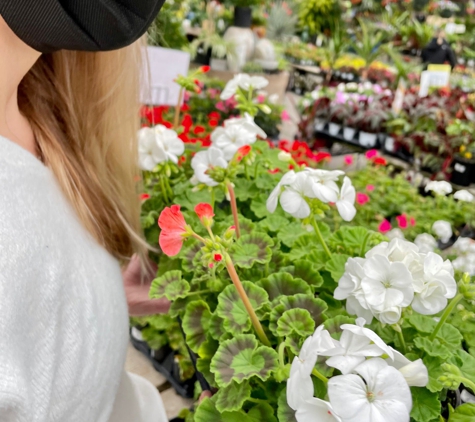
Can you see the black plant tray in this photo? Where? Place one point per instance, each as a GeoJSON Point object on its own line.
{"type": "Point", "coordinates": [168, 368]}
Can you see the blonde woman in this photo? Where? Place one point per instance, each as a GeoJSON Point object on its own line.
{"type": "Point", "coordinates": [69, 211]}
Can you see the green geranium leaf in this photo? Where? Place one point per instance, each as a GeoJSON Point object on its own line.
{"type": "Point", "coordinates": [432, 348]}
{"type": "Point", "coordinates": [283, 284]}
{"type": "Point", "coordinates": [206, 411]}
{"type": "Point", "coordinates": [233, 396]}
{"type": "Point", "coordinates": [178, 307]}
{"type": "Point", "coordinates": [259, 207]}
{"type": "Point", "coordinates": [247, 226]}
{"type": "Point", "coordinates": [189, 255]}
{"type": "Point", "coordinates": [274, 223]}
{"type": "Point", "coordinates": [267, 181]}
{"type": "Point", "coordinates": [302, 246]}
{"type": "Point", "coordinates": [466, 364]}
{"type": "Point", "coordinates": [316, 308]}
{"type": "Point", "coordinates": [333, 325]}
{"type": "Point", "coordinates": [349, 240]}
{"type": "Point", "coordinates": [232, 310]}
{"type": "Point", "coordinates": [170, 285]}
{"type": "Point", "coordinates": [246, 189]}
{"type": "Point", "coordinates": [203, 365]}
{"type": "Point", "coordinates": [262, 412]}
{"type": "Point", "coordinates": [336, 266]}
{"type": "Point", "coordinates": [448, 335]}
{"type": "Point", "coordinates": [290, 233]}
{"type": "Point", "coordinates": [308, 272]}
{"type": "Point", "coordinates": [295, 321]}
{"type": "Point", "coordinates": [434, 367]}
{"type": "Point", "coordinates": [216, 328]}
{"type": "Point", "coordinates": [464, 413]}
{"type": "Point", "coordinates": [241, 358]}
{"type": "Point", "coordinates": [284, 412]}
{"type": "Point", "coordinates": [196, 323]}
{"type": "Point", "coordinates": [318, 257]}
{"type": "Point", "coordinates": [251, 249]}
{"type": "Point", "coordinates": [422, 323]}
{"type": "Point", "coordinates": [425, 405]}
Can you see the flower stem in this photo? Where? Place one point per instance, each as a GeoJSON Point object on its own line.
{"type": "Point", "coordinates": [245, 300]}
{"type": "Point", "coordinates": [176, 120]}
{"type": "Point", "coordinates": [320, 237]}
{"type": "Point", "coordinates": [232, 197]}
{"type": "Point", "coordinates": [199, 292]}
{"type": "Point", "coordinates": [213, 198]}
{"type": "Point", "coordinates": [453, 303]}
{"type": "Point", "coordinates": [164, 190]}
{"type": "Point", "coordinates": [400, 335]}
{"type": "Point", "coordinates": [320, 376]}
{"type": "Point", "coordinates": [246, 172]}
{"type": "Point", "coordinates": [197, 236]}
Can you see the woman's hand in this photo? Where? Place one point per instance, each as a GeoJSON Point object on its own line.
{"type": "Point", "coordinates": [137, 286]}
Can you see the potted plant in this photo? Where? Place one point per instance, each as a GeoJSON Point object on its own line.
{"type": "Point", "coordinates": [219, 48]}
{"type": "Point", "coordinates": [371, 123]}
{"type": "Point", "coordinates": [367, 45]}
{"type": "Point", "coordinates": [463, 166]}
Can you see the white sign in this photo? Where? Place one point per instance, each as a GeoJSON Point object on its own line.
{"type": "Point", "coordinates": [433, 78]}
{"type": "Point", "coordinates": [162, 66]}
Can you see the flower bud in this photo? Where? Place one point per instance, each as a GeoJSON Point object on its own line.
{"type": "Point", "coordinates": [229, 233]}
{"type": "Point", "coordinates": [284, 156]}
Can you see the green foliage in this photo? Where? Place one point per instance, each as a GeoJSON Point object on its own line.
{"type": "Point", "coordinates": [318, 15]}
{"type": "Point", "coordinates": [166, 30]}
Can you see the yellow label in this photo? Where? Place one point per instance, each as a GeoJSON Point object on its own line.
{"type": "Point", "coordinates": [440, 67]}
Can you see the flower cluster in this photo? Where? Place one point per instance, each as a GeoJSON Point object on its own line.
{"type": "Point", "coordinates": [244, 82]}
{"type": "Point", "coordinates": [464, 196]}
{"type": "Point", "coordinates": [302, 154]}
{"type": "Point", "coordinates": [465, 249]}
{"type": "Point", "coordinates": [443, 230]}
{"type": "Point", "coordinates": [157, 145]}
{"type": "Point", "coordinates": [392, 277]}
{"type": "Point", "coordinates": [441, 188]}
{"type": "Point", "coordinates": [296, 190]}
{"type": "Point", "coordinates": [375, 380]}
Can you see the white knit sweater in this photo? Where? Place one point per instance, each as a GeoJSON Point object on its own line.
{"type": "Point", "coordinates": [63, 312]}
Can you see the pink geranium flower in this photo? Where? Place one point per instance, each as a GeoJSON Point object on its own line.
{"type": "Point", "coordinates": [362, 198]}
{"type": "Point", "coordinates": [174, 230]}
{"type": "Point", "coordinates": [372, 153]}
{"type": "Point", "coordinates": [205, 213]}
{"type": "Point", "coordinates": [285, 115]}
{"type": "Point", "coordinates": [370, 188]}
{"type": "Point", "coordinates": [385, 226]}
{"type": "Point", "coordinates": [402, 221]}
{"type": "Point", "coordinates": [349, 160]}
{"type": "Point", "coordinates": [412, 221]}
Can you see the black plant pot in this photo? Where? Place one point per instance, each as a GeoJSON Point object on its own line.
{"type": "Point", "coordinates": [463, 172]}
{"type": "Point", "coordinates": [242, 17]}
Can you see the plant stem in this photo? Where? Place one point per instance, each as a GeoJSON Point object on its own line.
{"type": "Point", "coordinates": [213, 198]}
{"type": "Point", "coordinates": [256, 169]}
{"type": "Point", "coordinates": [164, 190]}
{"type": "Point", "coordinates": [199, 292]}
{"type": "Point", "coordinates": [211, 234]}
{"type": "Point", "coordinates": [365, 243]}
{"type": "Point", "coordinates": [246, 172]}
{"type": "Point", "coordinates": [258, 401]}
{"type": "Point", "coordinates": [401, 338]}
{"type": "Point", "coordinates": [245, 300]}
{"type": "Point", "coordinates": [176, 120]}
{"type": "Point", "coordinates": [282, 354]}
{"type": "Point", "coordinates": [320, 237]}
{"type": "Point", "coordinates": [197, 236]}
{"type": "Point", "coordinates": [320, 376]}
{"type": "Point", "coordinates": [453, 303]}
{"type": "Point", "coordinates": [232, 198]}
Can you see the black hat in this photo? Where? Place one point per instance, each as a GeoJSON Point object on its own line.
{"type": "Point", "coordinates": [88, 25]}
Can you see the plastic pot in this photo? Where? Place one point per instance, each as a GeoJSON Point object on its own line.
{"type": "Point", "coordinates": [368, 140]}
{"type": "Point", "coordinates": [349, 133]}
{"type": "Point", "coordinates": [320, 125]}
{"type": "Point", "coordinates": [242, 17]}
{"type": "Point", "coordinates": [463, 171]}
{"type": "Point", "coordinates": [334, 129]}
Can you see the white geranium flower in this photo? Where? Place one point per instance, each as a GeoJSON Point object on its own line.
{"type": "Point", "coordinates": [284, 156]}
{"type": "Point", "coordinates": [387, 284]}
{"type": "Point", "coordinates": [426, 243]}
{"type": "Point", "coordinates": [170, 142]}
{"type": "Point", "coordinates": [273, 199]}
{"type": "Point", "coordinates": [438, 286]}
{"type": "Point", "coordinates": [464, 195]}
{"type": "Point", "coordinates": [464, 245]}
{"type": "Point", "coordinates": [398, 250]}
{"type": "Point", "coordinates": [151, 151]}
{"type": "Point", "coordinates": [245, 82]}
{"type": "Point", "coordinates": [356, 305]}
{"type": "Point", "coordinates": [231, 137]}
{"type": "Point", "coordinates": [346, 200]}
{"type": "Point", "coordinates": [299, 384]}
{"type": "Point", "coordinates": [350, 282]}
{"type": "Point", "coordinates": [356, 344]}
{"type": "Point", "coordinates": [207, 160]}
{"type": "Point", "coordinates": [324, 186]}
{"type": "Point", "coordinates": [439, 187]}
{"type": "Point", "coordinates": [383, 396]}
{"type": "Point", "coordinates": [415, 373]}
{"type": "Point", "coordinates": [443, 230]}
{"type": "Point", "coordinates": [316, 410]}
{"type": "Point", "coordinates": [293, 198]}
{"type": "Point", "coordinates": [248, 123]}
{"type": "Point", "coordinates": [396, 233]}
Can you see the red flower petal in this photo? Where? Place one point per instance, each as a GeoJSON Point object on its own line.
{"type": "Point", "coordinates": [218, 257]}
{"type": "Point", "coordinates": [144, 196]}
{"type": "Point", "coordinates": [213, 122]}
{"type": "Point", "coordinates": [204, 210]}
{"type": "Point", "coordinates": [205, 69]}
{"type": "Point", "coordinates": [380, 161]}
{"type": "Point", "coordinates": [242, 152]}
{"type": "Point", "coordinates": [198, 129]}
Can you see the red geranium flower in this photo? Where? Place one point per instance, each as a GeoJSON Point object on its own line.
{"type": "Point", "coordinates": [198, 129]}
{"type": "Point", "coordinates": [218, 257]}
{"type": "Point", "coordinates": [273, 171]}
{"type": "Point", "coordinates": [205, 213]}
{"type": "Point", "coordinates": [214, 115]}
{"type": "Point", "coordinates": [185, 107]}
{"type": "Point", "coordinates": [144, 196]}
{"type": "Point", "coordinates": [242, 152]}
{"type": "Point", "coordinates": [380, 161]}
{"type": "Point", "coordinates": [174, 230]}
{"type": "Point", "coordinates": [213, 122]}
{"type": "Point", "coordinates": [204, 69]}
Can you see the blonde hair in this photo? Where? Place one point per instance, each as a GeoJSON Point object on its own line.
{"type": "Point", "coordinates": [84, 110]}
